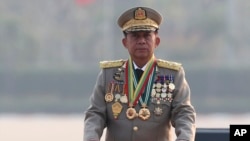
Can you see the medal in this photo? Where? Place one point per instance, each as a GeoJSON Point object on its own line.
{"type": "Point", "coordinates": [116, 109]}
{"type": "Point", "coordinates": [164, 85]}
{"type": "Point", "coordinates": [158, 111]}
{"type": "Point", "coordinates": [164, 90]}
{"type": "Point", "coordinates": [163, 95]}
{"type": "Point", "coordinates": [153, 93]}
{"type": "Point", "coordinates": [158, 101]}
{"type": "Point", "coordinates": [157, 95]}
{"type": "Point", "coordinates": [117, 97]}
{"type": "Point", "coordinates": [171, 86]}
{"type": "Point", "coordinates": [131, 113]}
{"type": "Point", "coordinates": [124, 99]}
{"type": "Point", "coordinates": [109, 96]}
{"type": "Point", "coordinates": [144, 113]}
{"type": "Point", "coordinates": [169, 97]}
{"type": "Point", "coordinates": [158, 85]}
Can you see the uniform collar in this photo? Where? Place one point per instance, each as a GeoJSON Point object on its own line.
{"type": "Point", "coordinates": [136, 67]}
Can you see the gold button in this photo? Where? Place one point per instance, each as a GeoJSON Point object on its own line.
{"type": "Point", "coordinates": [135, 128]}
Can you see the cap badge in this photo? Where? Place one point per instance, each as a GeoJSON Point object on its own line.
{"type": "Point", "coordinates": [140, 14]}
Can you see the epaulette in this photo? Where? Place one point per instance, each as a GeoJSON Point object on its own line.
{"type": "Point", "coordinates": [111, 64]}
{"type": "Point", "coordinates": [168, 64]}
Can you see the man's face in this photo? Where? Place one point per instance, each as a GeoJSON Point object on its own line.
{"type": "Point", "coordinates": [141, 44]}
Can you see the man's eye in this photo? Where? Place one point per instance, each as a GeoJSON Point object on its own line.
{"type": "Point", "coordinates": [147, 35]}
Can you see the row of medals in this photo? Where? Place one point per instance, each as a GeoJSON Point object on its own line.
{"type": "Point", "coordinates": [161, 92]}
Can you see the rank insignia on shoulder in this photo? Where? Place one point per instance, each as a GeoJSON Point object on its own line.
{"type": "Point", "coordinates": [111, 64]}
{"type": "Point", "coordinates": [168, 64]}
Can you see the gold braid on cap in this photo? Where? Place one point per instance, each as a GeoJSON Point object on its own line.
{"type": "Point", "coordinates": [140, 23]}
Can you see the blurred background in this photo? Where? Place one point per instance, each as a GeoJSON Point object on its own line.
{"type": "Point", "coordinates": [50, 52]}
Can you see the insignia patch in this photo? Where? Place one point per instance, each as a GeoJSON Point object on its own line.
{"type": "Point", "coordinates": [119, 75]}
{"type": "Point", "coordinates": [140, 14]}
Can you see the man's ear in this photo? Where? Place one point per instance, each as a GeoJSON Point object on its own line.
{"type": "Point", "coordinates": [157, 41]}
{"type": "Point", "coordinates": [124, 42]}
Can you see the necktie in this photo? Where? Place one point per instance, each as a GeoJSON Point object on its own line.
{"type": "Point", "coordinates": [139, 73]}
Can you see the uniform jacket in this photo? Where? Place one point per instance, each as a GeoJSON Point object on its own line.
{"type": "Point", "coordinates": [176, 111]}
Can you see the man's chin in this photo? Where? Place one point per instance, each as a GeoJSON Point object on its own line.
{"type": "Point", "coordinates": [142, 57]}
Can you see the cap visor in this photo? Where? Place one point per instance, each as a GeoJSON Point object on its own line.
{"type": "Point", "coordinates": [140, 28]}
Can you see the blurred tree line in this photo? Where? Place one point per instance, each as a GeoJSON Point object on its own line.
{"type": "Point", "coordinates": [49, 50]}
{"type": "Point", "coordinates": [52, 34]}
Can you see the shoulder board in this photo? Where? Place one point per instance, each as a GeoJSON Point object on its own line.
{"type": "Point", "coordinates": [168, 64]}
{"type": "Point", "coordinates": [111, 64]}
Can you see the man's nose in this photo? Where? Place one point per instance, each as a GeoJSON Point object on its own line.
{"type": "Point", "coordinates": [141, 40]}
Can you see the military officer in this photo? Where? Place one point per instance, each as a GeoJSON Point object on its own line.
{"type": "Point", "coordinates": [142, 97]}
